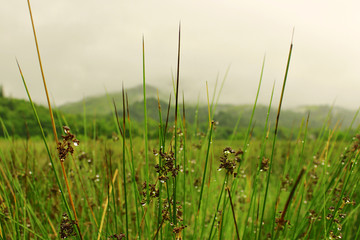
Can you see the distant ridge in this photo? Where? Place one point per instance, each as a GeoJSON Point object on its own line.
{"type": "Point", "coordinates": [14, 113]}
{"type": "Point", "coordinates": [102, 104]}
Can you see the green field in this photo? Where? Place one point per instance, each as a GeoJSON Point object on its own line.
{"type": "Point", "coordinates": [320, 204]}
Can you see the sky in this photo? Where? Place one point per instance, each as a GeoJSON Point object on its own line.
{"type": "Point", "coordinates": [92, 47]}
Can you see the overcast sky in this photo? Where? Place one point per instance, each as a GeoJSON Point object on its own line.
{"type": "Point", "coordinates": [89, 46]}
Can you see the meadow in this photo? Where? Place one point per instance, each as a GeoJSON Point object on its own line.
{"type": "Point", "coordinates": [184, 183]}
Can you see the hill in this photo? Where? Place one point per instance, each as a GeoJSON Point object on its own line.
{"type": "Point", "coordinates": [227, 115]}
{"type": "Point", "coordinates": [102, 104]}
{"type": "Point", "coordinates": [16, 116]}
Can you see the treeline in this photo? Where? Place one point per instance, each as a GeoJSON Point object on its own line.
{"type": "Point", "coordinates": [18, 121]}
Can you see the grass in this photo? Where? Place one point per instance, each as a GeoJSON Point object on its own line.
{"type": "Point", "coordinates": [192, 186]}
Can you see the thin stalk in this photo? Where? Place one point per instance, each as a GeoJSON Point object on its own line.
{"type": "Point", "coordinates": [282, 221]}
{"type": "Point", "coordinates": [42, 73]}
{"type": "Point", "coordinates": [205, 167]}
{"type": "Point", "coordinates": [45, 142]}
{"type": "Point", "coordinates": [262, 152]}
{"type": "Point", "coordinates": [124, 172]}
{"type": "Point", "coordinates": [204, 175]}
{"type": "Point", "coordinates": [145, 127]}
{"type": "Point", "coordinates": [176, 116]}
{"type": "Point", "coordinates": [161, 147]}
{"type": "Point", "coordinates": [274, 140]}
{"type": "Point", "coordinates": [184, 165]}
{"type": "Point", "coordinates": [254, 107]}
{"type": "Point", "coordinates": [212, 150]}
{"type": "Point", "coordinates": [132, 163]}
{"type": "Point", "coordinates": [123, 159]}
{"type": "Point", "coordinates": [247, 137]}
{"type": "Point", "coordinates": [233, 211]}
{"type": "Point", "coordinates": [52, 119]}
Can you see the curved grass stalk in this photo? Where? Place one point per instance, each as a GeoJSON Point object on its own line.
{"type": "Point", "coordinates": [45, 142]}
{"type": "Point", "coordinates": [52, 120]}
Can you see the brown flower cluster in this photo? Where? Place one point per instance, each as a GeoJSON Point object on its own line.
{"type": "Point", "coordinates": [338, 217]}
{"type": "Point", "coordinates": [166, 215]}
{"type": "Point", "coordinates": [350, 152]}
{"type": "Point", "coordinates": [313, 216]}
{"type": "Point", "coordinates": [153, 192]}
{"type": "Point", "coordinates": [281, 223]}
{"type": "Point", "coordinates": [168, 166]}
{"type": "Point", "coordinates": [66, 146]}
{"type": "Point", "coordinates": [67, 227]}
{"type": "Point", "coordinates": [264, 164]}
{"type": "Point", "coordinates": [229, 160]}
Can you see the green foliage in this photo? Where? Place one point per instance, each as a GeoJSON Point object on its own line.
{"type": "Point", "coordinates": [19, 121]}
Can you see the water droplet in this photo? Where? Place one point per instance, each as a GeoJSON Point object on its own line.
{"type": "Point", "coordinates": [219, 169]}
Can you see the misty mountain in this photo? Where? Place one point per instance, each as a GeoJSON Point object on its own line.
{"type": "Point", "coordinates": [226, 115]}
{"type": "Point", "coordinates": [103, 104]}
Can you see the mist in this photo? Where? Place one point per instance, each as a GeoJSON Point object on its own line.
{"type": "Point", "coordinates": [92, 47]}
